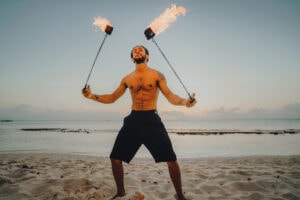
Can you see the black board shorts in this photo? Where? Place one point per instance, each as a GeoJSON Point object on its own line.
{"type": "Point", "coordinates": [143, 127]}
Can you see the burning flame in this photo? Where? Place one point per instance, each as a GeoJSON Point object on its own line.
{"type": "Point", "coordinates": [162, 22]}
{"type": "Point", "coordinates": [101, 23]}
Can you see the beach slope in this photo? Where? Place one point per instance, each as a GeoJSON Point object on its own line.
{"type": "Point", "coordinates": [66, 176]}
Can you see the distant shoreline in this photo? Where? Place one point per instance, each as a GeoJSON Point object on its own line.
{"type": "Point", "coordinates": [6, 120]}
{"type": "Point", "coordinates": [179, 132]}
{"type": "Point", "coordinates": [223, 132]}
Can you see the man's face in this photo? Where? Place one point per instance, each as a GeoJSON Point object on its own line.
{"type": "Point", "coordinates": [139, 55]}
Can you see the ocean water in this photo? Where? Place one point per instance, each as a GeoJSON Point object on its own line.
{"type": "Point", "coordinates": [97, 137]}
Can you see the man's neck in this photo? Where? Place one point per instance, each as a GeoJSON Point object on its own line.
{"type": "Point", "coordinates": [141, 67]}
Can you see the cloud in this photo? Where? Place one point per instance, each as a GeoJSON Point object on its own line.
{"type": "Point", "coordinates": [28, 112]}
{"type": "Point", "coordinates": [222, 113]}
{"type": "Point", "coordinates": [291, 111]}
{"type": "Point", "coordinates": [173, 115]}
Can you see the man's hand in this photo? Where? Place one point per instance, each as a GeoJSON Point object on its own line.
{"type": "Point", "coordinates": [191, 101]}
{"type": "Point", "coordinates": [87, 92]}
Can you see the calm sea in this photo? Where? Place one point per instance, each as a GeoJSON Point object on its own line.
{"type": "Point", "coordinates": [97, 137]}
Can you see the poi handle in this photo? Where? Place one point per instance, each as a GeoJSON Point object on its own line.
{"type": "Point", "coordinates": [108, 31]}
{"type": "Point", "coordinates": [192, 99]}
{"type": "Point", "coordinates": [84, 88]}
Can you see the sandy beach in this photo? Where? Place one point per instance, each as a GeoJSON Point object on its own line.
{"type": "Point", "coordinates": [66, 176]}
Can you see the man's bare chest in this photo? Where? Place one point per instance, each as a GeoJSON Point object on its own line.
{"type": "Point", "coordinates": [138, 83]}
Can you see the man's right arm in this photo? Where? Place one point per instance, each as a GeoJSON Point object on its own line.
{"type": "Point", "coordinates": [106, 98]}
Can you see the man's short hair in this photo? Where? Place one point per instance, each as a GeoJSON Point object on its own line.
{"type": "Point", "coordinates": [146, 50]}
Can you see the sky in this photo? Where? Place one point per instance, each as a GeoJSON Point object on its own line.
{"type": "Point", "coordinates": [240, 57]}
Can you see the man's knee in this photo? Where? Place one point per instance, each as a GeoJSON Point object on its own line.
{"type": "Point", "coordinates": [172, 163]}
{"type": "Point", "coordinates": [115, 161]}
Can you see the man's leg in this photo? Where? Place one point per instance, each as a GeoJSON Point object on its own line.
{"type": "Point", "coordinates": [175, 175]}
{"type": "Point", "coordinates": [118, 173]}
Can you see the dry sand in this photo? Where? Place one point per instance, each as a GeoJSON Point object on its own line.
{"type": "Point", "coordinates": [68, 177]}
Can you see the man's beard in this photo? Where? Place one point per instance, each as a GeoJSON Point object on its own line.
{"type": "Point", "coordinates": [140, 60]}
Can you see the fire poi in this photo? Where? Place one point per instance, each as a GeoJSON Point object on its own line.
{"type": "Point", "coordinates": [158, 25]}
{"type": "Point", "coordinates": [105, 26]}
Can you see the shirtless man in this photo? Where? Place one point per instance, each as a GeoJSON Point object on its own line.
{"type": "Point", "coordinates": [143, 125]}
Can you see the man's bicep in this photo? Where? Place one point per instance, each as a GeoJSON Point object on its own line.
{"type": "Point", "coordinates": [173, 98]}
{"type": "Point", "coordinates": [162, 84]}
{"type": "Point", "coordinates": [120, 90]}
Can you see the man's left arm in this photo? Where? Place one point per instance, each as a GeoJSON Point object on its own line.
{"type": "Point", "coordinates": [173, 98]}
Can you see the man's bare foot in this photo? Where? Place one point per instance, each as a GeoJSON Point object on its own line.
{"type": "Point", "coordinates": [118, 195]}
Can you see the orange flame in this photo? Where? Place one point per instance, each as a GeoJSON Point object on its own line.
{"type": "Point", "coordinates": [162, 22]}
{"type": "Point", "coordinates": [101, 23]}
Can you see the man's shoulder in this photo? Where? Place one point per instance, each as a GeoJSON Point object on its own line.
{"type": "Point", "coordinates": [158, 73]}
{"type": "Point", "coordinates": [126, 77]}
{"type": "Point", "coordinates": [154, 71]}
{"type": "Point", "coordinates": [129, 74]}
